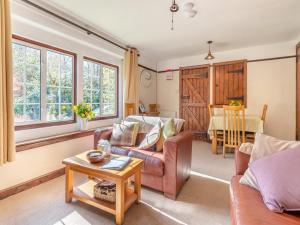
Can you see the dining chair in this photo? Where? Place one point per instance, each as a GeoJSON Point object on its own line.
{"type": "Point", "coordinates": [130, 109]}
{"type": "Point", "coordinates": [234, 127]}
{"type": "Point", "coordinates": [218, 134]}
{"type": "Point", "coordinates": [250, 137]}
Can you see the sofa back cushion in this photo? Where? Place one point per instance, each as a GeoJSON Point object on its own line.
{"type": "Point", "coordinates": [148, 122]}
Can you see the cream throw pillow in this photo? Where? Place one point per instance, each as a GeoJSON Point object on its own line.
{"type": "Point", "coordinates": [263, 146]}
{"type": "Point", "coordinates": [246, 148]}
{"type": "Point", "coordinates": [152, 137]}
{"type": "Point", "coordinates": [124, 133]}
{"type": "Point", "coordinates": [169, 128]}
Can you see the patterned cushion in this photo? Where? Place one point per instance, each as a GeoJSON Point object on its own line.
{"type": "Point", "coordinates": [152, 137]}
{"type": "Point", "coordinates": [148, 122]}
{"type": "Point", "coordinates": [124, 133]}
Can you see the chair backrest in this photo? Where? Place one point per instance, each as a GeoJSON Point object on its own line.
{"type": "Point", "coordinates": [152, 108]}
{"type": "Point", "coordinates": [234, 126]}
{"type": "Point", "coordinates": [130, 109]}
{"type": "Point", "coordinates": [264, 112]}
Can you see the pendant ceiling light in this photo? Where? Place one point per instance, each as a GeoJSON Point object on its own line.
{"type": "Point", "coordinates": [174, 8]}
{"type": "Point", "coordinates": [209, 55]}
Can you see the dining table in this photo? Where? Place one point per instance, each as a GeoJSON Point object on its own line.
{"type": "Point", "coordinates": [253, 124]}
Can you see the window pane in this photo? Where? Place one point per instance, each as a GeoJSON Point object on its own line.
{"type": "Point", "coordinates": [33, 75]}
{"type": "Point", "coordinates": [59, 86]}
{"type": "Point", "coordinates": [19, 93]}
{"type": "Point", "coordinates": [108, 109]}
{"type": "Point", "coordinates": [66, 95]}
{"type": "Point", "coordinates": [52, 95]}
{"type": "Point", "coordinates": [52, 112]}
{"type": "Point", "coordinates": [96, 83]}
{"type": "Point", "coordinates": [19, 112]}
{"type": "Point", "coordinates": [87, 96]}
{"type": "Point", "coordinates": [95, 96]}
{"type": "Point", "coordinates": [66, 112]}
{"type": "Point", "coordinates": [26, 83]}
{"type": "Point", "coordinates": [96, 109]}
{"type": "Point", "coordinates": [32, 112]}
{"type": "Point", "coordinates": [109, 91]}
{"type": "Point", "coordinates": [32, 94]}
{"type": "Point", "coordinates": [53, 68]}
{"type": "Point", "coordinates": [86, 75]}
{"type": "Point", "coordinates": [66, 71]}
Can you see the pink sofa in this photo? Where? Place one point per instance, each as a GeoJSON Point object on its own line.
{"type": "Point", "coordinates": [164, 171]}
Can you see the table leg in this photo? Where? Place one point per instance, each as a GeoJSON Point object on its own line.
{"type": "Point", "coordinates": [214, 143]}
{"type": "Point", "coordinates": [137, 185]}
{"type": "Point", "coordinates": [69, 184]}
{"type": "Point", "coordinates": [120, 202]}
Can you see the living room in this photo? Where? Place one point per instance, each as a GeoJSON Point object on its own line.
{"type": "Point", "coordinates": [170, 67]}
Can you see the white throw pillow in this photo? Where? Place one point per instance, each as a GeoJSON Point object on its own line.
{"type": "Point", "coordinates": [246, 148]}
{"type": "Point", "coordinates": [152, 137]}
{"type": "Point", "coordinates": [263, 146]}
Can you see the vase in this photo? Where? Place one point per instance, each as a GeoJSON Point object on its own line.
{"type": "Point", "coordinates": [83, 124]}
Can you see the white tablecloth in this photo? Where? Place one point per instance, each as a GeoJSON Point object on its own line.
{"type": "Point", "coordinates": [253, 124]}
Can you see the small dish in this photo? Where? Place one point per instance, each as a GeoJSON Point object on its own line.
{"type": "Point", "coordinates": [95, 156]}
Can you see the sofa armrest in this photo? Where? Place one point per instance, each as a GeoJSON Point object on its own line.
{"type": "Point", "coordinates": [177, 152]}
{"type": "Point", "coordinates": [102, 133]}
{"type": "Point", "coordinates": [241, 162]}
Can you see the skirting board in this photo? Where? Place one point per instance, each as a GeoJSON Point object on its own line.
{"type": "Point", "coordinates": [31, 183]}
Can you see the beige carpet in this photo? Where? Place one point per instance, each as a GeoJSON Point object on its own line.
{"type": "Point", "coordinates": [203, 200]}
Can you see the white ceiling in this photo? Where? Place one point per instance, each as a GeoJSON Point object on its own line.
{"type": "Point", "coordinates": [231, 24]}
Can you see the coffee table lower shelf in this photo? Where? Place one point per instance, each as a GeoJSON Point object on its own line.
{"type": "Point", "coordinates": [85, 193]}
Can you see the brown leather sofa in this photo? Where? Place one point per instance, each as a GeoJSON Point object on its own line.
{"type": "Point", "coordinates": [164, 171]}
{"type": "Point", "coordinates": [247, 206]}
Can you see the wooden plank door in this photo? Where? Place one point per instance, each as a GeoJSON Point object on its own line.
{"type": "Point", "coordinates": [194, 98]}
{"type": "Point", "coordinates": [229, 82]}
{"type": "Point", "coordinates": [298, 92]}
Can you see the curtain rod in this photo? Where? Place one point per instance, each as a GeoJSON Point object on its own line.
{"type": "Point", "coordinates": [89, 32]}
{"type": "Point", "coordinates": [248, 61]}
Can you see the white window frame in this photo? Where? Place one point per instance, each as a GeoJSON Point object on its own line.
{"type": "Point", "coordinates": [44, 48]}
{"type": "Point", "coordinates": [110, 66]}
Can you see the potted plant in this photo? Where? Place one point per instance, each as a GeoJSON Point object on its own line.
{"type": "Point", "coordinates": [85, 112]}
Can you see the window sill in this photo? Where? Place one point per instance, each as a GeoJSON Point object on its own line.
{"type": "Point", "coordinates": [41, 125]}
{"type": "Point", "coordinates": [36, 143]}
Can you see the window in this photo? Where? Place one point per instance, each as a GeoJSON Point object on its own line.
{"type": "Point", "coordinates": [100, 87]}
{"type": "Point", "coordinates": [43, 79]}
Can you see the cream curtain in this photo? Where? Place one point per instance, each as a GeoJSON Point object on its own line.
{"type": "Point", "coordinates": [7, 138]}
{"type": "Point", "coordinates": [131, 80]}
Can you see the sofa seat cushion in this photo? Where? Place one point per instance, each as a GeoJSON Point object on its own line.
{"type": "Point", "coordinates": [248, 207]}
{"type": "Point", "coordinates": [119, 150]}
{"type": "Point", "coordinates": [153, 161]}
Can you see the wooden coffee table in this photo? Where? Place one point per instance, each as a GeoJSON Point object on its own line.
{"type": "Point", "coordinates": [125, 196]}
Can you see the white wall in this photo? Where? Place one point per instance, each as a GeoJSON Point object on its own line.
{"type": "Point", "coordinates": [39, 161]}
{"type": "Point", "coordinates": [268, 82]}
{"type": "Point", "coordinates": [148, 94]}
